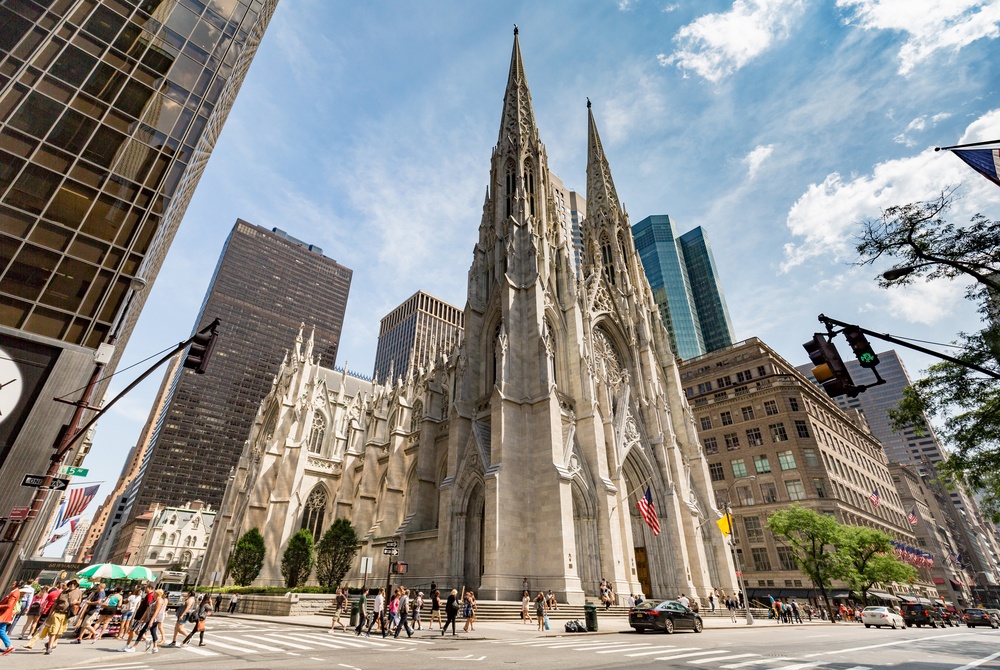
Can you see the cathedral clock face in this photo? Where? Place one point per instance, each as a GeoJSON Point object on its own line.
{"type": "Point", "coordinates": [11, 385]}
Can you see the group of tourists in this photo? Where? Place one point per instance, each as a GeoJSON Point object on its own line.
{"type": "Point", "coordinates": [130, 615]}
{"type": "Point", "coordinates": [404, 608]}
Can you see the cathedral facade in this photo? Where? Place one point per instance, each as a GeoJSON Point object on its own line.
{"type": "Point", "coordinates": [522, 451]}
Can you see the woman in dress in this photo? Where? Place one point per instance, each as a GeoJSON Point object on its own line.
{"type": "Point", "coordinates": [540, 609]}
{"type": "Point", "coordinates": [470, 611]}
{"type": "Point", "coordinates": [109, 608]}
{"type": "Point", "coordinates": [204, 611]}
{"type": "Point", "coordinates": [435, 608]}
{"type": "Point", "coordinates": [526, 608]}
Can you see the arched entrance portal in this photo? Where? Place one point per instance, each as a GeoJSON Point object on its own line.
{"type": "Point", "coordinates": [588, 557]}
{"type": "Point", "coordinates": [645, 549]}
{"type": "Point", "coordinates": [474, 532]}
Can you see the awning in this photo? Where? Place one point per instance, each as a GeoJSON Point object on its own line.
{"type": "Point", "coordinates": [841, 594]}
{"type": "Point", "coordinates": [884, 596]}
{"type": "Point", "coordinates": [905, 598]}
{"type": "Point", "coordinates": [924, 601]}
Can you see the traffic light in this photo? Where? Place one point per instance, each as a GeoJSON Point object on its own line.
{"type": "Point", "coordinates": [201, 347]}
{"type": "Point", "coordinates": [829, 369]}
{"type": "Point", "coordinates": [862, 349]}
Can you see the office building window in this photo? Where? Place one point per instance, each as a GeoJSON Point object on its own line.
{"type": "Point", "coordinates": [793, 404]}
{"type": "Point", "coordinates": [739, 468]}
{"type": "Point", "coordinates": [761, 464]}
{"type": "Point", "coordinates": [732, 441]}
{"type": "Point", "coordinates": [778, 433]}
{"type": "Point", "coordinates": [809, 454]}
{"type": "Point", "coordinates": [786, 558]}
{"type": "Point", "coordinates": [744, 494]}
{"type": "Point", "coordinates": [768, 492]}
{"type": "Point", "coordinates": [820, 486]}
{"type": "Point", "coordinates": [716, 471]}
{"type": "Point", "coordinates": [706, 423]}
{"type": "Point", "coordinates": [801, 428]}
{"type": "Point", "coordinates": [754, 438]}
{"type": "Point", "coordinates": [711, 445]}
{"type": "Point", "coordinates": [795, 490]}
{"type": "Point", "coordinates": [747, 413]}
{"type": "Point", "coordinates": [761, 561]}
{"type": "Point", "coordinates": [770, 407]}
{"type": "Point", "coordinates": [786, 459]}
{"type": "Point", "coordinates": [755, 531]}
{"type": "Point", "coordinates": [726, 418]}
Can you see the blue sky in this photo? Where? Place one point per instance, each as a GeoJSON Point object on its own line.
{"type": "Point", "coordinates": [777, 125]}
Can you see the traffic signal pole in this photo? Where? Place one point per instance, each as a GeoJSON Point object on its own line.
{"type": "Point", "coordinates": [830, 323]}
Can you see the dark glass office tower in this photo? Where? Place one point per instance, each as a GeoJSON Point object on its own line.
{"type": "Point", "coordinates": [109, 111]}
{"type": "Point", "coordinates": [682, 274]}
{"type": "Point", "coordinates": [410, 334]}
{"type": "Point", "coordinates": [267, 284]}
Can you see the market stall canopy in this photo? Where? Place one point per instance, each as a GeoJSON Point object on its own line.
{"type": "Point", "coordinates": [141, 572]}
{"type": "Point", "coordinates": [104, 571]}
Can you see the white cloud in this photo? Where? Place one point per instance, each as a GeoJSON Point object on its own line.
{"type": "Point", "coordinates": [756, 158]}
{"type": "Point", "coordinates": [826, 217]}
{"type": "Point", "coordinates": [983, 129]}
{"type": "Point", "coordinates": [917, 125]}
{"type": "Point", "coordinates": [673, 7]}
{"type": "Point", "coordinates": [715, 46]}
{"type": "Point", "coordinates": [625, 5]}
{"type": "Point", "coordinates": [930, 25]}
{"type": "Point", "coordinates": [927, 303]}
{"type": "Point", "coordinates": [636, 103]}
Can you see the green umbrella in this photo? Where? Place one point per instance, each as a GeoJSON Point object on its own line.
{"type": "Point", "coordinates": [140, 572]}
{"type": "Point", "coordinates": [103, 571]}
{"type": "Point", "coordinates": [85, 583]}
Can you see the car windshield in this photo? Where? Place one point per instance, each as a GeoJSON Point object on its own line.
{"type": "Point", "coordinates": [875, 609]}
{"type": "Point", "coordinates": [972, 611]}
{"type": "Point", "coordinates": [646, 605]}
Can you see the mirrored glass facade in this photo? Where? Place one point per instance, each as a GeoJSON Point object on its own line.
{"type": "Point", "coordinates": [108, 111]}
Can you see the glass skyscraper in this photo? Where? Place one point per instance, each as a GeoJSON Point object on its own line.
{"type": "Point", "coordinates": [410, 334]}
{"type": "Point", "coordinates": [686, 286]}
{"type": "Point", "coordinates": [109, 111]}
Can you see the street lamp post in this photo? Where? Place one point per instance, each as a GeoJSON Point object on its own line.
{"type": "Point", "coordinates": [732, 544]}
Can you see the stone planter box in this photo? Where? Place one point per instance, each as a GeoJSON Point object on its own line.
{"type": "Point", "coordinates": [289, 604]}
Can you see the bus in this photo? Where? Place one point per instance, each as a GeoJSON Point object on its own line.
{"type": "Point", "coordinates": [173, 582]}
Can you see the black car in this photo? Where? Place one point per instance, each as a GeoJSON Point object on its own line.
{"type": "Point", "coordinates": [667, 616]}
{"type": "Point", "coordinates": [950, 618]}
{"type": "Point", "coordinates": [978, 617]}
{"type": "Point", "coordinates": [915, 614]}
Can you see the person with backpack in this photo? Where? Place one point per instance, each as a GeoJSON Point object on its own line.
{"type": "Point", "coordinates": [7, 612]}
{"type": "Point", "coordinates": [403, 612]}
{"type": "Point", "coordinates": [185, 612]}
{"type": "Point", "coordinates": [56, 609]}
{"type": "Point", "coordinates": [204, 611]}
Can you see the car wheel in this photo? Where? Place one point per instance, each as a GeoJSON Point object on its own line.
{"type": "Point", "coordinates": [894, 625]}
{"type": "Point", "coordinates": [668, 626]}
{"type": "Point", "coordinates": [868, 625]}
{"type": "Point", "coordinates": [640, 631]}
{"type": "Point", "coordinates": [699, 626]}
{"type": "Point", "coordinates": [970, 625]}
{"type": "Point", "coordinates": [993, 626]}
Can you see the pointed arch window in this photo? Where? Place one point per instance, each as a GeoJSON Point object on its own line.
{"type": "Point", "coordinates": [608, 260]}
{"type": "Point", "coordinates": [317, 433]}
{"type": "Point", "coordinates": [315, 508]}
{"type": "Point", "coordinates": [509, 186]}
{"type": "Point", "coordinates": [529, 182]}
{"type": "Point", "coordinates": [418, 412]}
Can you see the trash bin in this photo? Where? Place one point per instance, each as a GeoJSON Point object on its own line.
{"type": "Point", "coordinates": [590, 615]}
{"type": "Point", "coordinates": [355, 614]}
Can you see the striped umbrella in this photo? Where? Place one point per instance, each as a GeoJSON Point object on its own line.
{"type": "Point", "coordinates": [143, 573]}
{"type": "Point", "coordinates": [103, 571]}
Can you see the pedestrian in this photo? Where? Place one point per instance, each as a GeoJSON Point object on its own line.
{"type": "Point", "coordinates": [32, 615]}
{"type": "Point", "coordinates": [7, 607]}
{"type": "Point", "coordinates": [233, 602]}
{"type": "Point", "coordinates": [27, 592]}
{"type": "Point", "coordinates": [630, 602]}
{"type": "Point", "coordinates": [362, 611]}
{"type": "Point", "coordinates": [109, 608]}
{"type": "Point", "coordinates": [201, 615]}
{"type": "Point", "coordinates": [711, 601]}
{"type": "Point", "coordinates": [188, 607]}
{"type": "Point", "coordinates": [56, 619]}
{"type": "Point", "coordinates": [450, 611]}
{"type": "Point", "coordinates": [378, 614]}
{"type": "Point", "coordinates": [540, 609]}
{"type": "Point", "coordinates": [155, 611]}
{"type": "Point", "coordinates": [552, 602]}
{"type": "Point", "coordinates": [524, 584]}
{"type": "Point", "coordinates": [218, 602]}
{"type": "Point", "coordinates": [795, 612]}
{"type": "Point", "coordinates": [140, 621]}
{"type": "Point", "coordinates": [418, 604]}
{"type": "Point", "coordinates": [93, 604]}
{"type": "Point", "coordinates": [683, 600]}
{"type": "Point", "coordinates": [470, 611]}
{"type": "Point", "coordinates": [393, 616]}
{"type": "Point", "coordinates": [731, 606]}
{"type": "Point", "coordinates": [526, 608]}
{"type": "Point", "coordinates": [742, 604]}
{"type": "Point", "coordinates": [402, 611]}
{"type": "Point", "coordinates": [339, 606]}
{"type": "Point", "coordinates": [128, 607]}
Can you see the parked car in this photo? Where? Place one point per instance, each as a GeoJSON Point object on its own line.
{"type": "Point", "coordinates": [668, 616]}
{"type": "Point", "coordinates": [995, 614]}
{"type": "Point", "coordinates": [976, 616]}
{"type": "Point", "coordinates": [915, 614]}
{"type": "Point", "coordinates": [878, 616]}
{"type": "Point", "coordinates": [950, 618]}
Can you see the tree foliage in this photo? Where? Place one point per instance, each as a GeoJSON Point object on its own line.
{"type": "Point", "coordinates": [869, 560]}
{"type": "Point", "coordinates": [967, 401]}
{"type": "Point", "coordinates": [335, 553]}
{"type": "Point", "coordinates": [813, 539]}
{"type": "Point", "coordinates": [247, 558]}
{"type": "Point", "coordinates": [297, 561]}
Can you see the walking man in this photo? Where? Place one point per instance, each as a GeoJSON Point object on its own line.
{"type": "Point", "coordinates": [451, 611]}
{"type": "Point", "coordinates": [56, 622]}
{"type": "Point", "coordinates": [340, 605]}
{"type": "Point", "coordinates": [363, 611]}
{"type": "Point", "coordinates": [404, 607]}
{"type": "Point", "coordinates": [233, 602]}
{"type": "Point", "coordinates": [378, 614]}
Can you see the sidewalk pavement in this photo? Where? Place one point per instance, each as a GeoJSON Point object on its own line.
{"type": "Point", "coordinates": [491, 630]}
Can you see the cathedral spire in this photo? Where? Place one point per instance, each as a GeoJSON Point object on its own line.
{"type": "Point", "coordinates": [518, 116]}
{"type": "Point", "coordinates": [600, 187]}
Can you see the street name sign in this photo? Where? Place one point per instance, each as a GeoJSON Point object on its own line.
{"type": "Point", "coordinates": [73, 471]}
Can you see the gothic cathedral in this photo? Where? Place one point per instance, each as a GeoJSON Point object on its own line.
{"type": "Point", "coordinates": [521, 453]}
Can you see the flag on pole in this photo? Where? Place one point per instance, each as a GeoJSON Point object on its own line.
{"type": "Point", "coordinates": [724, 526]}
{"type": "Point", "coordinates": [984, 161]}
{"type": "Point", "coordinates": [61, 516]}
{"type": "Point", "coordinates": [912, 516]}
{"type": "Point", "coordinates": [875, 499]}
{"type": "Point", "coordinates": [648, 512]}
{"type": "Point", "coordinates": [55, 537]}
{"type": "Point", "coordinates": [72, 525]}
{"type": "Point", "coordinates": [76, 501]}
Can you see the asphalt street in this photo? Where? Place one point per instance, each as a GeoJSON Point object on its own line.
{"type": "Point", "coordinates": [242, 643]}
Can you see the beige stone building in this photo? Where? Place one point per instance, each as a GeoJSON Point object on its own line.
{"type": "Point", "coordinates": [176, 536]}
{"type": "Point", "coordinates": [772, 439]}
{"type": "Point", "coordinates": [520, 453]}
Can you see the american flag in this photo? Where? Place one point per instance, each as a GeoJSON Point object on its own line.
{"type": "Point", "coordinates": [912, 516]}
{"type": "Point", "coordinates": [648, 512]}
{"type": "Point", "coordinates": [876, 500]}
{"type": "Point", "coordinates": [76, 501]}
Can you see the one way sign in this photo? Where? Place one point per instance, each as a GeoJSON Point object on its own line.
{"type": "Point", "coordinates": [38, 482]}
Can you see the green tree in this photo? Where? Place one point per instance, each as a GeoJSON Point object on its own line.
{"type": "Point", "coordinates": [335, 553]}
{"type": "Point", "coordinates": [297, 561]}
{"type": "Point", "coordinates": [917, 236]}
{"type": "Point", "coordinates": [813, 539]}
{"type": "Point", "coordinates": [869, 560]}
{"type": "Point", "coordinates": [247, 558]}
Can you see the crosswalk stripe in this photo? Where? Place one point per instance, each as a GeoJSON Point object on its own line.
{"type": "Point", "coordinates": [211, 640]}
{"type": "Point", "coordinates": [974, 664]}
{"type": "Point", "coordinates": [283, 642]}
{"type": "Point", "coordinates": [265, 647]}
{"type": "Point", "coordinates": [692, 653]}
{"type": "Point", "coordinates": [725, 658]}
{"type": "Point", "coordinates": [580, 644]}
{"type": "Point", "coordinates": [860, 667]}
{"type": "Point", "coordinates": [755, 662]}
{"type": "Point", "coordinates": [201, 652]}
{"type": "Point", "coordinates": [660, 650]}
{"type": "Point", "coordinates": [637, 645]}
{"type": "Point", "coordinates": [800, 666]}
{"type": "Point", "coordinates": [335, 644]}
